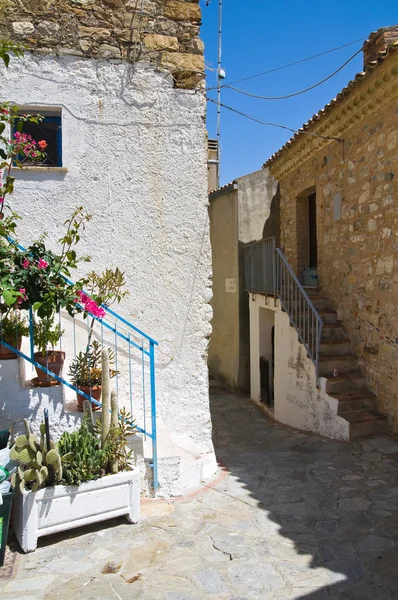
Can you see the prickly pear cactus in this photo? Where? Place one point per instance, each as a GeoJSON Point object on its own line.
{"type": "Point", "coordinates": [34, 460]}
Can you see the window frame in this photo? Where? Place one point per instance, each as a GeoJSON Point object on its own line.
{"type": "Point", "coordinates": [50, 117]}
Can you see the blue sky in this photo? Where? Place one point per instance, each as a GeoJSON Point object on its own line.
{"type": "Point", "coordinates": [259, 35]}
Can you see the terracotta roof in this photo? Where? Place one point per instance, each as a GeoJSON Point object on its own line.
{"type": "Point", "coordinates": [343, 94]}
{"type": "Point", "coordinates": [223, 189]}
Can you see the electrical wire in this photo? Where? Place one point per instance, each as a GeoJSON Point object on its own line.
{"type": "Point", "coordinates": [295, 93]}
{"type": "Point", "coordinates": [292, 64]}
{"type": "Point", "coordinates": [261, 122]}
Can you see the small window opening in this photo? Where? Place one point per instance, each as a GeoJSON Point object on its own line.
{"type": "Point", "coordinates": [49, 130]}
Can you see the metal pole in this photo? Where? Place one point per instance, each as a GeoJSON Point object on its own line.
{"type": "Point", "coordinates": [153, 415]}
{"type": "Point", "coordinates": [219, 90]}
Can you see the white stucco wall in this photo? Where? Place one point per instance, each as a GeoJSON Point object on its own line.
{"type": "Point", "coordinates": [135, 150]}
{"type": "Point", "coordinates": [298, 401]}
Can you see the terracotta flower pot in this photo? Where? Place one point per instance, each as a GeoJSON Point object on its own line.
{"type": "Point", "coordinates": [53, 361]}
{"type": "Point", "coordinates": [94, 392]}
{"type": "Point", "coordinates": [5, 353]}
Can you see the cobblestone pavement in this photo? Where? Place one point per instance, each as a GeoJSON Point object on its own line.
{"type": "Point", "coordinates": [296, 517]}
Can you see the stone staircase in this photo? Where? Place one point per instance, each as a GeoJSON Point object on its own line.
{"type": "Point", "coordinates": [344, 380]}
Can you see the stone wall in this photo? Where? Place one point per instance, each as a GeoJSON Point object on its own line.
{"type": "Point", "coordinates": [164, 33]}
{"type": "Point", "coordinates": [357, 253]}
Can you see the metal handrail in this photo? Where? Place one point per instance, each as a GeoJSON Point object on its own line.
{"type": "Point", "coordinates": [122, 331]}
{"type": "Point", "coordinates": [302, 313]}
{"type": "Point", "coordinates": [267, 271]}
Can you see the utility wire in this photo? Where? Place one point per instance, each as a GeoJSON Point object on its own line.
{"type": "Point", "coordinates": [292, 64]}
{"type": "Point", "coordinates": [261, 122]}
{"type": "Point", "coordinates": [295, 93]}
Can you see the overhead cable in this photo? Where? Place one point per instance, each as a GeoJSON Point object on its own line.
{"type": "Point", "coordinates": [261, 122]}
{"type": "Point", "coordinates": [294, 93]}
{"type": "Point", "coordinates": [292, 64]}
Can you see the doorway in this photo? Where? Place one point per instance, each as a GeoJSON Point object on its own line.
{"type": "Point", "coordinates": [313, 250]}
{"type": "Point", "coordinates": [267, 356]}
{"type": "Point", "coordinates": [306, 232]}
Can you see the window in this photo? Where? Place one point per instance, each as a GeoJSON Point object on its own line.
{"type": "Point", "coordinates": [49, 129]}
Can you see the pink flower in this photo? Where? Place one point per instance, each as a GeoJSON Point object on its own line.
{"type": "Point", "coordinates": [23, 297]}
{"type": "Point", "coordinates": [26, 264]}
{"type": "Point", "coordinates": [90, 306]}
{"type": "Point", "coordinates": [42, 264]}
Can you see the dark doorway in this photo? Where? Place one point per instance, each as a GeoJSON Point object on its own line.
{"type": "Point", "coordinates": [313, 252]}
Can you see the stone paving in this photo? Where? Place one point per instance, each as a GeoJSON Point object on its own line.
{"type": "Point", "coordinates": [294, 517]}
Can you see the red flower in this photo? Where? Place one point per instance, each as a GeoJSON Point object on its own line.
{"type": "Point", "coordinates": [42, 145]}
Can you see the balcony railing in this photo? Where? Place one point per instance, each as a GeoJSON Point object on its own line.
{"type": "Point", "coordinates": [267, 271]}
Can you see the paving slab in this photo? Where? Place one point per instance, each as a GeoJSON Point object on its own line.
{"type": "Point", "coordinates": [293, 517]}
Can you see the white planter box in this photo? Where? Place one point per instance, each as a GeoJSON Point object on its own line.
{"type": "Point", "coordinates": [62, 507]}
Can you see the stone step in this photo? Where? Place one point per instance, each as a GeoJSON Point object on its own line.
{"type": "Point", "coordinates": [319, 302]}
{"type": "Point", "coordinates": [334, 331]}
{"type": "Point", "coordinates": [343, 364]}
{"type": "Point", "coordinates": [328, 316]}
{"type": "Point", "coordinates": [355, 402]}
{"type": "Point", "coordinates": [335, 347]}
{"type": "Point", "coordinates": [309, 321]}
{"type": "Point", "coordinates": [345, 383]}
{"type": "Point", "coordinates": [366, 423]}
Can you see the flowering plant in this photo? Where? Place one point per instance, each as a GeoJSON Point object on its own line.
{"type": "Point", "coordinates": [37, 277]}
{"type": "Point", "coordinates": [17, 149]}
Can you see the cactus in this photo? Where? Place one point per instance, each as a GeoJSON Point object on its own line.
{"type": "Point", "coordinates": [114, 409]}
{"type": "Point", "coordinates": [113, 462]}
{"type": "Point", "coordinates": [105, 395]}
{"type": "Point", "coordinates": [82, 457]}
{"type": "Point", "coordinates": [88, 415]}
{"type": "Point", "coordinates": [100, 448]}
{"type": "Point", "coordinates": [34, 460]}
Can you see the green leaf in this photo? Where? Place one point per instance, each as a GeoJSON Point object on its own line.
{"type": "Point", "coordinates": [10, 297]}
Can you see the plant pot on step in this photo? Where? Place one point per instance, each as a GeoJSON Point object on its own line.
{"type": "Point", "coordinates": [54, 362]}
{"type": "Point", "coordinates": [6, 353]}
{"type": "Point", "coordinates": [94, 391]}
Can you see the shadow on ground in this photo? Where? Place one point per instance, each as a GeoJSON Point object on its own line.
{"type": "Point", "coordinates": [334, 503]}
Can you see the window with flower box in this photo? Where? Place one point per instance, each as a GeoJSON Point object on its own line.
{"type": "Point", "coordinates": [49, 130]}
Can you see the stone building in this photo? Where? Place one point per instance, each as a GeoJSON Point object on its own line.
{"type": "Point", "coordinates": [240, 212]}
{"type": "Point", "coordinates": [338, 182]}
{"type": "Point", "coordinates": [121, 84]}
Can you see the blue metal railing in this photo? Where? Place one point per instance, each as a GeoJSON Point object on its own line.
{"type": "Point", "coordinates": [267, 271]}
{"type": "Point", "coordinates": [134, 353]}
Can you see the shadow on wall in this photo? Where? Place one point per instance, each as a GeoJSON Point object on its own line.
{"type": "Point", "coordinates": [335, 501]}
{"type": "Point", "coordinates": [272, 227]}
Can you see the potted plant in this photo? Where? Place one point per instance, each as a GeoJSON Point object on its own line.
{"type": "Point", "coordinates": [13, 327]}
{"type": "Point", "coordinates": [92, 478]}
{"type": "Point", "coordinates": [86, 373]}
{"type": "Point", "coordinates": [46, 336]}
